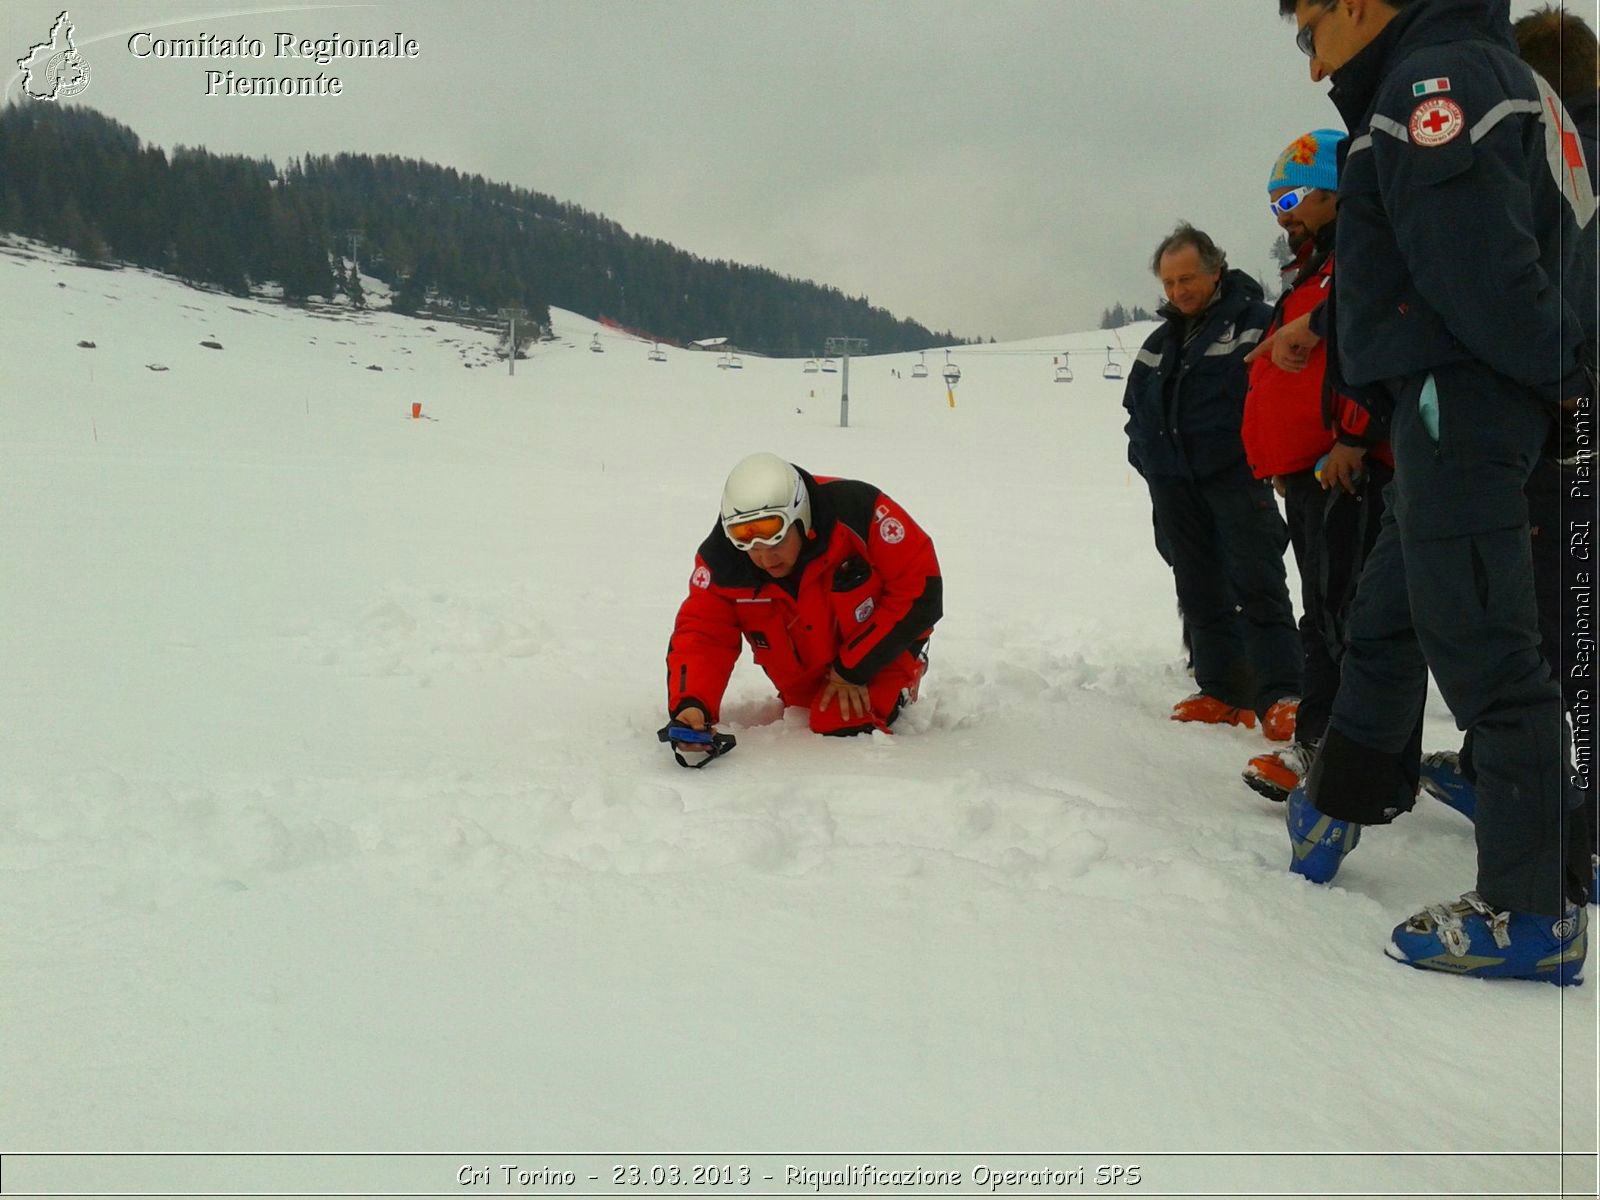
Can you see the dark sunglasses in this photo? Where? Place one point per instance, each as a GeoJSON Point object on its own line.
{"type": "Point", "coordinates": [1304, 38]}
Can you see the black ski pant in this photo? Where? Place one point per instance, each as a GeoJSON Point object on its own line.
{"type": "Point", "coordinates": [1332, 532]}
{"type": "Point", "coordinates": [1227, 539]}
{"type": "Point", "coordinates": [1561, 507]}
{"type": "Point", "coordinates": [1165, 551]}
{"type": "Point", "coordinates": [1449, 587]}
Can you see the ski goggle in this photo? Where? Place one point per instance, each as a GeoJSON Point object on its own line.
{"type": "Point", "coordinates": [1289, 201]}
{"type": "Point", "coordinates": [760, 529]}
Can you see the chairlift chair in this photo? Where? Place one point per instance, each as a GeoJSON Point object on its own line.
{"type": "Point", "coordinates": [920, 370]}
{"type": "Point", "coordinates": [735, 363]}
{"type": "Point", "coordinates": [1113, 370]}
{"type": "Point", "coordinates": [595, 346]}
{"type": "Point", "coordinates": [829, 367]}
{"type": "Point", "coordinates": [1064, 369]}
{"type": "Point", "coordinates": [811, 366]}
{"type": "Point", "coordinates": [658, 354]}
{"type": "Point", "coordinates": [722, 362]}
{"type": "Point", "coordinates": [952, 373]}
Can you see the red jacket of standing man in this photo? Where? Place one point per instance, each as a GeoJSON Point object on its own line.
{"type": "Point", "coordinates": [1289, 421]}
{"type": "Point", "coordinates": [831, 584]}
{"type": "Point", "coordinates": [1283, 428]}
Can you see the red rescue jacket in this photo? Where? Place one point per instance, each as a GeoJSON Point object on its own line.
{"type": "Point", "coordinates": [1283, 428]}
{"type": "Point", "coordinates": [866, 589]}
{"type": "Point", "coordinates": [1290, 419]}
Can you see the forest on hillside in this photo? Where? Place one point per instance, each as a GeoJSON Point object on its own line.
{"type": "Point", "coordinates": [445, 243]}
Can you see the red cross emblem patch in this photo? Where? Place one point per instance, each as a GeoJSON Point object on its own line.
{"type": "Point", "coordinates": [1436, 121]}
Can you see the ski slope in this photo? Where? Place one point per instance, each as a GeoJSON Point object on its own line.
{"type": "Point", "coordinates": [333, 817]}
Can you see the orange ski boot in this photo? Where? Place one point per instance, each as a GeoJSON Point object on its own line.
{"type": "Point", "coordinates": [1211, 711]}
{"type": "Point", "coordinates": [1277, 774]}
{"type": "Point", "coordinates": [1278, 723]}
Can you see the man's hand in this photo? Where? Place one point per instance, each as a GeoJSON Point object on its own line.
{"type": "Point", "coordinates": [700, 743]}
{"type": "Point", "coordinates": [853, 699]}
{"type": "Point", "coordinates": [1290, 346]}
{"type": "Point", "coordinates": [692, 717]}
{"type": "Point", "coordinates": [1343, 467]}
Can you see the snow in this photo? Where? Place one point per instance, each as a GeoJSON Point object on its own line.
{"type": "Point", "coordinates": [334, 819]}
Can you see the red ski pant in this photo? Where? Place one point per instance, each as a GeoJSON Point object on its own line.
{"type": "Point", "coordinates": [883, 693]}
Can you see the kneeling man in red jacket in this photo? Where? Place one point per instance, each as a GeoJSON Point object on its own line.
{"type": "Point", "coordinates": [831, 583]}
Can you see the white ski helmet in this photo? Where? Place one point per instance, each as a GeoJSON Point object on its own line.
{"type": "Point", "coordinates": [764, 485]}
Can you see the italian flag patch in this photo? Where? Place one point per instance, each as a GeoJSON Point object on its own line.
{"type": "Point", "coordinates": [1426, 87]}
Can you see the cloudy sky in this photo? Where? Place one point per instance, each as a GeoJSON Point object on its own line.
{"type": "Point", "coordinates": [999, 168]}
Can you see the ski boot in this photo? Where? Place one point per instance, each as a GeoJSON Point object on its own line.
{"type": "Point", "coordinates": [1275, 775]}
{"type": "Point", "coordinates": [1442, 779]}
{"type": "Point", "coordinates": [1319, 842]}
{"type": "Point", "coordinates": [1278, 721]}
{"type": "Point", "coordinates": [1211, 711]}
{"type": "Point", "coordinates": [1469, 938]}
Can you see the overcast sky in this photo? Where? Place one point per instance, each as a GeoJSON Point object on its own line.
{"type": "Point", "coordinates": [998, 168]}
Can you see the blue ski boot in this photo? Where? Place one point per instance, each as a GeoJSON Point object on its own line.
{"type": "Point", "coordinates": [1470, 938]}
{"type": "Point", "coordinates": [1319, 842]}
{"type": "Point", "coordinates": [1442, 779]}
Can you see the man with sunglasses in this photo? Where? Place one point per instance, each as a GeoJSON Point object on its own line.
{"type": "Point", "coordinates": [1464, 307]}
{"type": "Point", "coordinates": [832, 585]}
{"type": "Point", "coordinates": [1318, 448]}
{"type": "Point", "coordinates": [1562, 48]}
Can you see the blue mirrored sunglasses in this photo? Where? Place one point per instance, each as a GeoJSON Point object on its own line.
{"type": "Point", "coordinates": [1290, 200]}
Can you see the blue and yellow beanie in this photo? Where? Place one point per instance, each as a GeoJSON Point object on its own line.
{"type": "Point", "coordinates": [1311, 160]}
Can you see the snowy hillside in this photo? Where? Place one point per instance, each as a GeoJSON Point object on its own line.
{"type": "Point", "coordinates": [333, 816]}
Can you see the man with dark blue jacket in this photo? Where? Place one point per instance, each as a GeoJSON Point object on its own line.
{"type": "Point", "coordinates": [1464, 310]}
{"type": "Point", "coordinates": [1561, 47]}
{"type": "Point", "coordinates": [1221, 525]}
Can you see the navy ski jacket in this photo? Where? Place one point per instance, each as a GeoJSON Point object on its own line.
{"type": "Point", "coordinates": [1185, 393]}
{"type": "Point", "coordinates": [1462, 192]}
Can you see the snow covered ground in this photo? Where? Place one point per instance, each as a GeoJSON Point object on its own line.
{"type": "Point", "coordinates": [333, 818]}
